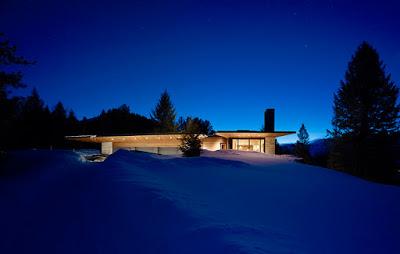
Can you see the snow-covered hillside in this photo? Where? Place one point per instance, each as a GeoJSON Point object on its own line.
{"type": "Point", "coordinates": [222, 202]}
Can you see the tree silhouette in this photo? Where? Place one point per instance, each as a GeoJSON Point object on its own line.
{"type": "Point", "coordinates": [117, 121]}
{"type": "Point", "coordinates": [366, 100]}
{"type": "Point", "coordinates": [191, 143]}
{"type": "Point", "coordinates": [303, 136]}
{"type": "Point", "coordinates": [10, 78]}
{"type": "Point", "coordinates": [73, 125]}
{"type": "Point", "coordinates": [8, 57]}
{"type": "Point", "coordinates": [35, 122]}
{"type": "Point", "coordinates": [164, 114]}
{"type": "Point", "coordinates": [201, 126]}
{"type": "Point", "coordinates": [302, 145]}
{"type": "Point", "coordinates": [59, 124]}
{"type": "Point", "coordinates": [365, 116]}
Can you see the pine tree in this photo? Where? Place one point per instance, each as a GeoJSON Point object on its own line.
{"type": "Point", "coordinates": [59, 113]}
{"type": "Point", "coordinates": [10, 77]}
{"type": "Point", "coordinates": [191, 143]}
{"type": "Point", "coordinates": [164, 114]}
{"type": "Point", "coordinates": [72, 124]}
{"type": "Point", "coordinates": [302, 145]}
{"type": "Point", "coordinates": [35, 122]}
{"type": "Point", "coordinates": [366, 100]}
{"type": "Point", "coordinates": [303, 136]}
{"type": "Point", "coordinates": [8, 57]}
{"type": "Point", "coordinates": [365, 116]}
{"type": "Point", "coordinates": [181, 124]}
{"type": "Point", "coordinates": [202, 126]}
{"type": "Point", "coordinates": [59, 124]}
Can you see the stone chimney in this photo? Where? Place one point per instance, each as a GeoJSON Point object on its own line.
{"type": "Point", "coordinates": [269, 120]}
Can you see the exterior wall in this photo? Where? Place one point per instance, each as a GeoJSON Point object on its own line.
{"type": "Point", "coordinates": [213, 143]}
{"type": "Point", "coordinates": [270, 145]}
{"type": "Point", "coordinates": [169, 143]}
{"type": "Point", "coordinates": [171, 146]}
{"type": "Point", "coordinates": [106, 148]}
{"type": "Point", "coordinates": [157, 150]}
{"type": "Point", "coordinates": [148, 143]}
{"type": "Point", "coordinates": [160, 146]}
{"type": "Point", "coordinates": [169, 150]}
{"type": "Point", "coordinates": [151, 145]}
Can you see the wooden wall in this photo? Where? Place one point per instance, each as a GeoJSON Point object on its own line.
{"type": "Point", "coordinates": [213, 143]}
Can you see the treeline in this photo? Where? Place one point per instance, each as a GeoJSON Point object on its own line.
{"type": "Point", "coordinates": [27, 122]}
{"type": "Point", "coordinates": [116, 121]}
{"type": "Point", "coordinates": [365, 138]}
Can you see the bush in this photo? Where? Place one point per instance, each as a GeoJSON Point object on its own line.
{"type": "Point", "coordinates": [190, 145]}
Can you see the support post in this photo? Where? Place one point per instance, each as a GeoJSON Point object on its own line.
{"type": "Point", "coordinates": [106, 148]}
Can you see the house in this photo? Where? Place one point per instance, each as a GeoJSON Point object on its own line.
{"type": "Point", "coordinates": [168, 143]}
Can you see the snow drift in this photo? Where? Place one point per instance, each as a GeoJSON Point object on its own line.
{"type": "Point", "coordinates": [222, 202]}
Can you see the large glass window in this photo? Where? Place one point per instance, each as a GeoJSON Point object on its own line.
{"type": "Point", "coordinates": [246, 144]}
{"type": "Point", "coordinates": [255, 145]}
{"type": "Point", "coordinates": [262, 145]}
{"type": "Point", "coordinates": [234, 144]}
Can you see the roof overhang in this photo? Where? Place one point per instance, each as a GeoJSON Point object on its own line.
{"type": "Point", "coordinates": [174, 136]}
{"type": "Point", "coordinates": [252, 134]}
{"type": "Point", "coordinates": [128, 138]}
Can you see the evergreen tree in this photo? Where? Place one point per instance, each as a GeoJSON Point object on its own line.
{"type": "Point", "coordinates": [191, 143]}
{"type": "Point", "coordinates": [10, 77]}
{"type": "Point", "coordinates": [205, 126]}
{"type": "Point", "coordinates": [72, 124]}
{"type": "Point", "coordinates": [59, 124]}
{"type": "Point", "coordinates": [59, 112]}
{"type": "Point", "coordinates": [8, 57]}
{"type": "Point", "coordinates": [181, 124]}
{"type": "Point", "coordinates": [366, 114]}
{"type": "Point", "coordinates": [366, 100]}
{"type": "Point", "coordinates": [34, 104]}
{"type": "Point", "coordinates": [117, 121]}
{"type": "Point", "coordinates": [164, 114]}
{"type": "Point", "coordinates": [303, 136]}
{"type": "Point", "coordinates": [202, 126]}
{"type": "Point", "coordinates": [302, 145]}
{"type": "Point", "coordinates": [35, 119]}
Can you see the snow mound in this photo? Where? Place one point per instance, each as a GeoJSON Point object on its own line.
{"type": "Point", "coordinates": [248, 156]}
{"type": "Point", "coordinates": [221, 202]}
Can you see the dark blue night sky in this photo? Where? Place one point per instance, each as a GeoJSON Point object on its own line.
{"type": "Point", "coordinates": [225, 61]}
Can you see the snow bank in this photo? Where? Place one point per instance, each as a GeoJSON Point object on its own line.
{"type": "Point", "coordinates": [222, 202]}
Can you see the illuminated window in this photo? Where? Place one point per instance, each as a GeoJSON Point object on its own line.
{"type": "Point", "coordinates": [245, 144]}
{"type": "Point", "coordinates": [255, 145]}
{"type": "Point", "coordinates": [262, 145]}
{"type": "Point", "coordinates": [234, 144]}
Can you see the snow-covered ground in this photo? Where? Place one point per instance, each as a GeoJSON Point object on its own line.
{"type": "Point", "coordinates": [222, 202]}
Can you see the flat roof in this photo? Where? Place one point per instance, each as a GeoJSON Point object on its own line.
{"type": "Point", "coordinates": [133, 137]}
{"type": "Point", "coordinates": [252, 134]}
{"type": "Point", "coordinates": [125, 138]}
{"type": "Point", "coordinates": [251, 131]}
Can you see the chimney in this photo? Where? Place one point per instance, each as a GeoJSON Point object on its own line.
{"type": "Point", "coordinates": [269, 120]}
